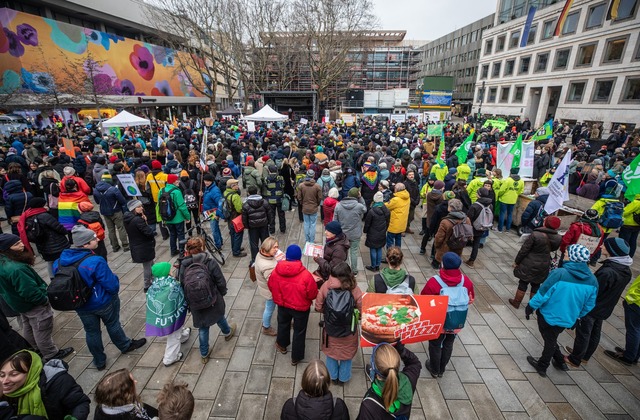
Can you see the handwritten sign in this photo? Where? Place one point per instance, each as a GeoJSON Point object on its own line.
{"type": "Point", "coordinates": [129, 185]}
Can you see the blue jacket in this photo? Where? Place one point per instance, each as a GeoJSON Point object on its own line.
{"type": "Point", "coordinates": [532, 210]}
{"type": "Point", "coordinates": [235, 169]}
{"type": "Point", "coordinates": [19, 146]}
{"type": "Point", "coordinates": [568, 293]}
{"type": "Point", "coordinates": [109, 198]}
{"type": "Point", "coordinates": [94, 271]}
{"type": "Point", "coordinates": [348, 182]}
{"type": "Point", "coordinates": [211, 198]}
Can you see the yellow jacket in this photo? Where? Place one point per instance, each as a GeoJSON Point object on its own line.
{"type": "Point", "coordinates": [440, 172]}
{"type": "Point", "coordinates": [509, 191]}
{"type": "Point", "coordinates": [633, 295]}
{"type": "Point", "coordinates": [156, 183]}
{"type": "Point", "coordinates": [464, 171]}
{"type": "Point", "coordinates": [599, 207]}
{"type": "Point", "coordinates": [423, 193]}
{"type": "Point", "coordinates": [629, 210]}
{"type": "Point", "coordinates": [473, 187]}
{"type": "Point", "coordinates": [399, 208]}
{"type": "Point", "coordinates": [546, 179]}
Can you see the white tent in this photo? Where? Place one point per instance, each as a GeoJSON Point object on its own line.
{"type": "Point", "coordinates": [125, 119]}
{"type": "Point", "coordinates": [266, 114]}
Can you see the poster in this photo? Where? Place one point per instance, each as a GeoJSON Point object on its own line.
{"type": "Point", "coordinates": [411, 318]}
{"type": "Point", "coordinates": [504, 159]}
{"type": "Point", "coordinates": [313, 250]}
{"type": "Point", "coordinates": [251, 126]}
{"type": "Point", "coordinates": [434, 130]}
{"type": "Point", "coordinates": [129, 185]}
{"type": "Point", "coordinates": [433, 117]}
{"type": "Point", "coordinates": [68, 147]}
{"type": "Point", "coordinates": [499, 124]}
{"type": "Point", "coordinates": [303, 121]}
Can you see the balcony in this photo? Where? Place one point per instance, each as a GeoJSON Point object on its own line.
{"type": "Point", "coordinates": [352, 104]}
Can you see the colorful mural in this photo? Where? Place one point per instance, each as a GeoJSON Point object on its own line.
{"type": "Point", "coordinates": [127, 66]}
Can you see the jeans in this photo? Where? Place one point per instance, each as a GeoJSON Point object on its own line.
{"type": "Point", "coordinates": [277, 209]}
{"type": "Point", "coordinates": [440, 351]}
{"type": "Point", "coordinates": [109, 314]}
{"type": "Point", "coordinates": [587, 339]}
{"type": "Point", "coordinates": [256, 237]}
{"type": "Point", "coordinates": [215, 230]}
{"type": "Point", "coordinates": [339, 369]}
{"type": "Point", "coordinates": [37, 328]}
{"type": "Point", "coordinates": [203, 335]}
{"type": "Point", "coordinates": [354, 249]}
{"type": "Point", "coordinates": [146, 274]}
{"type": "Point", "coordinates": [631, 236]}
{"type": "Point", "coordinates": [300, 320]}
{"type": "Point", "coordinates": [176, 235]}
{"type": "Point", "coordinates": [112, 223]}
{"type": "Point", "coordinates": [269, 308]}
{"type": "Point", "coordinates": [394, 239]}
{"type": "Point", "coordinates": [505, 209]}
{"type": "Point", "coordinates": [550, 335]}
{"type": "Point", "coordinates": [632, 325]}
{"type": "Point", "coordinates": [376, 256]}
{"type": "Point", "coordinates": [236, 240]}
{"type": "Point", "coordinates": [310, 227]}
{"type": "Point", "coordinates": [523, 285]}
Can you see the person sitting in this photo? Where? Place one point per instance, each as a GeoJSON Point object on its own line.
{"type": "Point", "coordinates": [117, 398]}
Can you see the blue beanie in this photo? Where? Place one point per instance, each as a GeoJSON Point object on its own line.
{"type": "Point", "coordinates": [294, 253]}
{"type": "Point", "coordinates": [334, 227]}
{"type": "Point", "coordinates": [579, 253]}
{"type": "Point", "coordinates": [617, 247]}
{"type": "Point", "coordinates": [451, 260]}
{"type": "Point", "coordinates": [453, 171]}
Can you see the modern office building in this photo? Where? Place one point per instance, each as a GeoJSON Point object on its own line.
{"type": "Point", "coordinates": [590, 72]}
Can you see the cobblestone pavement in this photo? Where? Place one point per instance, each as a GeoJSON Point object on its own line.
{"type": "Point", "coordinates": [488, 376]}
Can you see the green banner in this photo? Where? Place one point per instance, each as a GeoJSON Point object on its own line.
{"type": "Point", "coordinates": [499, 124]}
{"type": "Point", "coordinates": [631, 178]}
{"type": "Point", "coordinates": [434, 130]}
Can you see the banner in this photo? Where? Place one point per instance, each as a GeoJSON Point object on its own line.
{"type": "Point", "coordinates": [68, 147]}
{"type": "Point", "coordinates": [527, 159]}
{"type": "Point", "coordinates": [434, 130]}
{"type": "Point", "coordinates": [442, 153]}
{"type": "Point", "coordinates": [631, 178]}
{"type": "Point", "coordinates": [516, 151]}
{"type": "Point", "coordinates": [303, 121]}
{"type": "Point", "coordinates": [499, 124]}
{"type": "Point", "coordinates": [559, 186]}
{"type": "Point", "coordinates": [129, 184]}
{"type": "Point", "coordinates": [313, 250]}
{"type": "Point", "coordinates": [411, 318]}
{"type": "Point", "coordinates": [433, 117]}
{"type": "Point", "coordinates": [504, 158]}
{"type": "Point", "coordinates": [251, 126]}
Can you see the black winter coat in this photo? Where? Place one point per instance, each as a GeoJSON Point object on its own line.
{"type": "Point", "coordinates": [612, 278]}
{"type": "Point", "coordinates": [336, 251]}
{"type": "Point", "coordinates": [142, 243]}
{"type": "Point", "coordinates": [151, 412]}
{"type": "Point", "coordinates": [207, 317]}
{"type": "Point", "coordinates": [534, 258]}
{"type": "Point", "coordinates": [256, 213]}
{"type": "Point", "coordinates": [376, 223]}
{"type": "Point", "coordinates": [532, 210]}
{"type": "Point", "coordinates": [17, 199]}
{"type": "Point", "coordinates": [414, 192]}
{"type": "Point", "coordinates": [304, 407]}
{"type": "Point", "coordinates": [53, 237]}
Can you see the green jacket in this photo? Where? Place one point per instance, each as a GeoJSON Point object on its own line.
{"type": "Point", "coordinates": [234, 197]}
{"type": "Point", "coordinates": [20, 286]}
{"type": "Point", "coordinates": [182, 212]}
{"type": "Point", "coordinates": [510, 189]}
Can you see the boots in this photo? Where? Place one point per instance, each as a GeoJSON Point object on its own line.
{"type": "Point", "coordinates": [515, 302]}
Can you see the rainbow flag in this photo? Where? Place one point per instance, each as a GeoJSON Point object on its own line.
{"type": "Point", "coordinates": [68, 214]}
{"type": "Point", "coordinates": [563, 17]}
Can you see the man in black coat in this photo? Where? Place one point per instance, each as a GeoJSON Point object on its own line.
{"type": "Point", "coordinates": [142, 242]}
{"type": "Point", "coordinates": [414, 195]}
{"type": "Point", "coordinates": [256, 214]}
{"type": "Point", "coordinates": [613, 277]}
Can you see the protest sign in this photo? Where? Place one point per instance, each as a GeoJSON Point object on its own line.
{"type": "Point", "coordinates": [313, 250]}
{"type": "Point", "coordinates": [499, 124]}
{"type": "Point", "coordinates": [434, 130]}
{"type": "Point", "coordinates": [251, 126]}
{"type": "Point", "coordinates": [68, 147]}
{"type": "Point", "coordinates": [411, 318]}
{"type": "Point", "coordinates": [303, 121]}
{"type": "Point", "coordinates": [129, 185]}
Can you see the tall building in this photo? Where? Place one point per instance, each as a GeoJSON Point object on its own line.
{"type": "Point", "coordinates": [589, 72]}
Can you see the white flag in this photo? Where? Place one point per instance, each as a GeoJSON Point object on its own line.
{"type": "Point", "coordinates": [203, 150]}
{"type": "Point", "coordinates": [559, 186]}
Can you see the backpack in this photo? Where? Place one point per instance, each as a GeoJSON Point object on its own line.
{"type": "Point", "coordinates": [339, 313]}
{"type": "Point", "coordinates": [196, 283]}
{"type": "Point", "coordinates": [484, 220]}
{"type": "Point", "coordinates": [94, 226]}
{"type": "Point", "coordinates": [460, 235]}
{"type": "Point", "coordinates": [67, 290]}
{"type": "Point", "coordinates": [166, 205]}
{"type": "Point", "coordinates": [636, 218]}
{"type": "Point", "coordinates": [228, 210]}
{"type": "Point", "coordinates": [612, 215]}
{"type": "Point", "coordinates": [189, 195]}
{"type": "Point", "coordinates": [32, 228]}
{"type": "Point", "coordinates": [538, 220]}
{"type": "Point", "coordinates": [326, 186]}
{"type": "Point", "coordinates": [403, 288]}
{"type": "Point", "coordinates": [458, 303]}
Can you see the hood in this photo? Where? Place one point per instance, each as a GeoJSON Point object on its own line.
{"type": "Point", "coordinates": [249, 170]}
{"type": "Point", "coordinates": [289, 268]}
{"type": "Point", "coordinates": [449, 177]}
{"type": "Point", "coordinates": [309, 182]}
{"type": "Point", "coordinates": [13, 186]}
{"type": "Point", "coordinates": [53, 367]}
{"type": "Point", "coordinates": [543, 198]}
{"type": "Point", "coordinates": [384, 173]}
{"type": "Point", "coordinates": [515, 177]}
{"type": "Point", "coordinates": [393, 277]}
{"type": "Point", "coordinates": [314, 408]}
{"type": "Point", "coordinates": [579, 271]}
{"type": "Point", "coordinates": [349, 203]}
{"type": "Point", "coordinates": [90, 217]}
{"type": "Point", "coordinates": [326, 178]}
{"type": "Point", "coordinates": [485, 201]}
{"type": "Point", "coordinates": [451, 277]}
{"type": "Point", "coordinates": [340, 238]}
{"type": "Point", "coordinates": [102, 186]}
{"type": "Point", "coordinates": [456, 215]}
{"type": "Point", "coordinates": [434, 194]}
{"type": "Point", "coordinates": [402, 195]}
{"type": "Point", "coordinates": [626, 261]}
{"type": "Point", "coordinates": [255, 201]}
{"type": "Point", "coordinates": [72, 255]}
{"type": "Point", "coordinates": [98, 167]}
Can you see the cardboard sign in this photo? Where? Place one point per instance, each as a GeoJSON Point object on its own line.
{"type": "Point", "coordinates": [411, 318]}
{"type": "Point", "coordinates": [313, 250]}
{"type": "Point", "coordinates": [251, 126]}
{"type": "Point", "coordinates": [589, 242]}
{"type": "Point", "coordinates": [129, 185]}
{"type": "Point", "coordinates": [303, 121]}
{"type": "Point", "coordinates": [68, 147]}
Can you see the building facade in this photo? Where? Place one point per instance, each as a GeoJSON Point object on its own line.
{"type": "Point", "coordinates": [589, 73]}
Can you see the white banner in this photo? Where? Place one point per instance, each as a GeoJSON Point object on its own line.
{"type": "Point", "coordinates": [504, 159]}
{"type": "Point", "coordinates": [129, 185]}
{"type": "Point", "coordinates": [251, 126]}
{"type": "Point", "coordinates": [559, 186]}
{"type": "Point", "coordinates": [303, 121]}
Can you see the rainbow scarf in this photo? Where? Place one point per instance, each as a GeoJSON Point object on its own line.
{"type": "Point", "coordinates": [370, 179]}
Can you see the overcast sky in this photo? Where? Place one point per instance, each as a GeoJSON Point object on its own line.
{"type": "Point", "coordinates": [430, 19]}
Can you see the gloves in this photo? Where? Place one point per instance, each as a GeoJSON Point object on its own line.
{"type": "Point", "coordinates": [528, 311]}
{"type": "Point", "coordinates": [399, 346]}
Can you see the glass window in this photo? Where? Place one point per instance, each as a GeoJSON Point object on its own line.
{"type": "Point", "coordinates": [595, 16]}
{"type": "Point", "coordinates": [524, 65]}
{"type": "Point", "coordinates": [585, 54]}
{"type": "Point", "coordinates": [541, 61]}
{"type": "Point", "coordinates": [504, 94]}
{"type": "Point", "coordinates": [518, 95]}
{"type": "Point", "coordinates": [488, 46]}
{"type": "Point", "coordinates": [571, 24]}
{"type": "Point", "coordinates": [509, 65]}
{"type": "Point", "coordinates": [562, 59]}
{"type": "Point", "coordinates": [532, 34]}
{"type": "Point", "coordinates": [576, 91]}
{"type": "Point", "coordinates": [496, 69]}
{"type": "Point", "coordinates": [485, 71]}
{"type": "Point", "coordinates": [626, 9]}
{"type": "Point", "coordinates": [500, 44]}
{"type": "Point", "coordinates": [547, 29]}
{"type": "Point", "coordinates": [614, 50]}
{"type": "Point", "coordinates": [637, 54]}
{"type": "Point", "coordinates": [602, 90]}
{"type": "Point", "coordinates": [492, 94]}
{"type": "Point", "coordinates": [514, 39]}
{"type": "Point", "coordinates": [631, 91]}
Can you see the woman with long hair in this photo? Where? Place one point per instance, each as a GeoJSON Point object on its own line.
{"type": "Point", "coordinates": [147, 200]}
{"type": "Point", "coordinates": [264, 265]}
{"type": "Point", "coordinates": [117, 398]}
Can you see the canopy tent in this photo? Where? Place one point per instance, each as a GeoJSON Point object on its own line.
{"type": "Point", "coordinates": [228, 111]}
{"type": "Point", "coordinates": [125, 119]}
{"type": "Point", "coordinates": [266, 114]}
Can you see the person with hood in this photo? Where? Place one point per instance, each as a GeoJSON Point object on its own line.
{"type": "Point", "coordinates": [376, 223]}
{"type": "Point", "coordinates": [587, 225]}
{"type": "Point", "coordinates": [256, 214]}
{"type": "Point", "coordinates": [476, 210]}
{"type": "Point", "coordinates": [450, 179]}
{"type": "Point", "coordinates": [412, 188]}
{"type": "Point", "coordinates": [329, 205]}
{"type": "Point", "coordinates": [314, 399]}
{"type": "Point", "coordinates": [70, 173]}
{"type": "Point", "coordinates": [613, 277]}
{"type": "Point", "coordinates": [309, 197]}
{"type": "Point", "coordinates": [383, 172]}
{"type": "Point", "coordinates": [15, 203]}
{"type": "Point", "coordinates": [590, 189]}
{"type": "Point", "coordinates": [369, 182]}
{"type": "Point", "coordinates": [510, 190]}
{"type": "Point", "coordinates": [463, 171]}
{"type": "Point", "coordinates": [349, 214]}
{"type": "Point", "coordinates": [445, 229]}
{"type": "Point", "coordinates": [142, 242]}
{"type": "Point", "coordinates": [104, 304]}
{"type": "Point", "coordinates": [251, 176]}
{"type": "Point", "coordinates": [272, 190]}
{"type": "Point", "coordinates": [68, 201]}
{"type": "Point", "coordinates": [399, 209]}
{"type": "Point", "coordinates": [176, 223]}
{"type": "Point", "coordinates": [92, 220]}
{"type": "Point", "coordinates": [348, 181]}
{"type": "Point", "coordinates": [293, 289]}
{"type": "Point", "coordinates": [441, 348]}
{"type": "Point", "coordinates": [533, 215]}
{"type": "Point", "coordinates": [433, 199]}
{"type": "Point", "coordinates": [112, 207]}
{"type": "Point", "coordinates": [326, 183]}
{"type": "Point", "coordinates": [33, 389]}
{"type": "Point", "coordinates": [568, 294]}
{"type": "Point", "coordinates": [394, 276]}
{"type": "Point", "coordinates": [100, 168]}
{"type": "Point", "coordinates": [335, 250]}
{"type": "Point", "coordinates": [211, 201]}
{"type": "Point", "coordinates": [440, 170]}
{"type": "Point", "coordinates": [533, 261]}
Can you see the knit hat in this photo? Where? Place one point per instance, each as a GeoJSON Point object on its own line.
{"type": "Point", "coordinates": [81, 236]}
{"type": "Point", "coordinates": [294, 253]}
{"type": "Point", "coordinates": [7, 240]}
{"type": "Point", "coordinates": [226, 172]}
{"type": "Point", "coordinates": [334, 227]}
{"type": "Point", "coordinates": [542, 191]}
{"type": "Point", "coordinates": [171, 178]}
{"type": "Point", "coordinates": [514, 171]}
{"type": "Point", "coordinates": [483, 192]}
{"type": "Point", "coordinates": [272, 169]}
{"type": "Point", "coordinates": [68, 171]}
{"type": "Point", "coordinates": [231, 182]}
{"type": "Point", "coordinates": [265, 158]}
{"type": "Point", "coordinates": [449, 195]}
{"type": "Point", "coordinates": [378, 197]}
{"type": "Point", "coordinates": [452, 171]}
{"type": "Point", "coordinates": [133, 204]}
{"type": "Point", "coordinates": [438, 185]}
{"type": "Point", "coordinates": [37, 202]}
{"type": "Point", "coordinates": [617, 247]}
{"type": "Point", "coordinates": [451, 260]}
{"type": "Point", "coordinates": [481, 172]}
{"type": "Point", "coordinates": [333, 193]}
{"type": "Point", "coordinates": [578, 253]}
{"type": "Point", "coordinates": [106, 177]}
{"type": "Point", "coordinates": [611, 173]}
{"type": "Point", "coordinates": [169, 156]}
{"type": "Point", "coordinates": [354, 192]}
{"type": "Point", "coordinates": [382, 165]}
{"type": "Point", "coordinates": [184, 173]}
{"type": "Point", "coordinates": [155, 164]}
{"type": "Point", "coordinates": [311, 173]}
{"type": "Point", "coordinates": [161, 269]}
{"type": "Point", "coordinates": [552, 222]}
{"type": "Point", "coordinates": [384, 183]}
{"type": "Point", "coordinates": [591, 214]}
{"type": "Point", "coordinates": [85, 206]}
{"type": "Point", "coordinates": [113, 158]}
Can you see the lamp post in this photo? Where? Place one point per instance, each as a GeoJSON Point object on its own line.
{"type": "Point", "coordinates": [482, 89]}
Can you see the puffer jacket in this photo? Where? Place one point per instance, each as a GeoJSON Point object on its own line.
{"type": "Point", "coordinates": [17, 198]}
{"type": "Point", "coordinates": [336, 251]}
{"type": "Point", "coordinates": [532, 210]}
{"type": "Point", "coordinates": [250, 177]}
{"type": "Point", "coordinates": [629, 210]}
{"type": "Point", "coordinates": [309, 195]}
{"type": "Point", "coordinates": [534, 258]}
{"type": "Point", "coordinates": [328, 208]}
{"type": "Point", "coordinates": [53, 237]}
{"type": "Point", "coordinates": [399, 208]}
{"type": "Point", "coordinates": [142, 243]}
{"type": "Point", "coordinates": [613, 277]}
{"type": "Point", "coordinates": [256, 212]}
{"type": "Point", "coordinates": [292, 286]}
{"type": "Point", "coordinates": [376, 223]}
{"type": "Point", "coordinates": [109, 198]}
{"type": "Point", "coordinates": [304, 407]}
{"type": "Point", "coordinates": [349, 213]}
{"type": "Point", "coordinates": [510, 189]}
{"type": "Point", "coordinates": [61, 394]}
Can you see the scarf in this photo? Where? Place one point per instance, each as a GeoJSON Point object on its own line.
{"type": "Point", "coordinates": [370, 179]}
{"type": "Point", "coordinates": [377, 204]}
{"type": "Point", "coordinates": [136, 409]}
{"type": "Point", "coordinates": [623, 260]}
{"type": "Point", "coordinates": [29, 397]}
{"type": "Point", "coordinates": [405, 392]}
{"type": "Point", "coordinates": [22, 224]}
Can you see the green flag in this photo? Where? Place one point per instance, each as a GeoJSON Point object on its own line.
{"type": "Point", "coordinates": [631, 178]}
{"type": "Point", "coordinates": [441, 152]}
{"type": "Point", "coordinates": [434, 130]}
{"type": "Point", "coordinates": [516, 151]}
{"type": "Point", "coordinates": [545, 132]}
{"type": "Point", "coordinates": [463, 150]}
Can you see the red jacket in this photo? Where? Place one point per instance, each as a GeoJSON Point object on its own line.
{"type": "Point", "coordinates": [328, 207]}
{"type": "Point", "coordinates": [450, 278]}
{"type": "Point", "coordinates": [572, 235]}
{"type": "Point", "coordinates": [292, 286]}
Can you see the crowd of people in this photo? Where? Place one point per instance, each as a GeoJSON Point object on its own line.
{"type": "Point", "coordinates": [368, 179]}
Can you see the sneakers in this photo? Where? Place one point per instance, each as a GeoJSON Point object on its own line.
{"type": "Point", "coordinates": [240, 255]}
{"type": "Point", "coordinates": [62, 353]}
{"type": "Point", "coordinates": [180, 356]}
{"type": "Point", "coordinates": [534, 362]}
{"type": "Point", "coordinates": [232, 332]}
{"type": "Point", "coordinates": [469, 263]}
{"type": "Point", "coordinates": [269, 331]}
{"type": "Point", "coordinates": [280, 349]}
{"type": "Point", "coordinates": [427, 365]}
{"type": "Point", "coordinates": [135, 344]}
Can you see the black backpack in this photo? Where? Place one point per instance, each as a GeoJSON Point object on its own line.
{"type": "Point", "coordinates": [67, 290]}
{"type": "Point", "coordinates": [32, 228]}
{"type": "Point", "coordinates": [196, 283]}
{"type": "Point", "coordinates": [228, 209]}
{"type": "Point", "coordinates": [190, 198]}
{"type": "Point", "coordinates": [339, 313]}
{"type": "Point", "coordinates": [166, 206]}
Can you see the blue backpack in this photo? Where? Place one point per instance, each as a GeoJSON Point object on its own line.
{"type": "Point", "coordinates": [458, 304]}
{"type": "Point", "coordinates": [612, 215]}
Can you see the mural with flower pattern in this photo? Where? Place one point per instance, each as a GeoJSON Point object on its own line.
{"type": "Point", "coordinates": [128, 67]}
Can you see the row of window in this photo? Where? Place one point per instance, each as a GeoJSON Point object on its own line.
{"type": "Point", "coordinates": [456, 42]}
{"type": "Point", "coordinates": [601, 92]}
{"type": "Point", "coordinates": [613, 53]}
{"type": "Point", "coordinates": [595, 19]}
{"type": "Point", "coordinates": [458, 58]}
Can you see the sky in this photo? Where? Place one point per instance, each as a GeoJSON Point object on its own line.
{"type": "Point", "coordinates": [430, 19]}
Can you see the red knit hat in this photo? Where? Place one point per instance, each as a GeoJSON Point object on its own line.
{"type": "Point", "coordinates": [155, 164]}
{"type": "Point", "coordinates": [113, 158]}
{"type": "Point", "coordinates": [552, 222]}
{"type": "Point", "coordinates": [171, 178]}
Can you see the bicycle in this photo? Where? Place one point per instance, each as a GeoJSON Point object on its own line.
{"type": "Point", "coordinates": [215, 252]}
